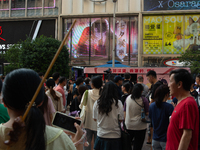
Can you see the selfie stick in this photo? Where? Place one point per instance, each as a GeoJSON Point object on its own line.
{"type": "Point", "coordinates": [47, 72]}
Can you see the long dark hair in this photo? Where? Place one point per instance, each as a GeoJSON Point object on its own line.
{"type": "Point", "coordinates": [97, 83]}
{"type": "Point", "coordinates": [50, 84]}
{"type": "Point", "coordinates": [81, 90]}
{"type": "Point", "coordinates": [107, 98]}
{"type": "Point", "coordinates": [18, 89]}
{"type": "Point", "coordinates": [137, 91]}
{"type": "Point", "coordinates": [160, 94]}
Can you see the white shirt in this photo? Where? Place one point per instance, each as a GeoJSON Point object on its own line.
{"type": "Point", "coordinates": [107, 126]}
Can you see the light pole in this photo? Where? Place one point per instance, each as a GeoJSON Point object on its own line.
{"type": "Point", "coordinates": [113, 52]}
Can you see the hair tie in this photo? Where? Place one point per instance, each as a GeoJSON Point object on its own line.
{"type": "Point", "coordinates": [34, 105]}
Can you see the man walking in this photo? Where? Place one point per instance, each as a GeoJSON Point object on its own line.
{"type": "Point", "coordinates": [183, 128]}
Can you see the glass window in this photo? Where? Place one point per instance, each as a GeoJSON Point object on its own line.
{"type": "Point", "coordinates": [67, 25]}
{"type": "Point", "coordinates": [49, 3]}
{"type": "Point", "coordinates": [18, 4]}
{"type": "Point", "coordinates": [4, 4]}
{"type": "Point", "coordinates": [34, 3]}
{"type": "Point", "coordinates": [99, 40]}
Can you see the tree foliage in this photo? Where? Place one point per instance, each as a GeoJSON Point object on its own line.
{"type": "Point", "coordinates": [191, 58]}
{"type": "Point", "coordinates": [38, 54]}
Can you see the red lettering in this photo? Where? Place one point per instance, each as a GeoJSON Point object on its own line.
{"type": "Point", "coordinates": [141, 70]}
{"type": "Point", "coordinates": [131, 70]}
{"type": "Point", "coordinates": [119, 70]}
{"type": "Point", "coordinates": [136, 70]}
{"type": "Point", "coordinates": [124, 70]}
{"type": "Point", "coordinates": [1, 33]}
{"type": "Point", "coordinates": [148, 70]}
{"type": "Point", "coordinates": [114, 70]}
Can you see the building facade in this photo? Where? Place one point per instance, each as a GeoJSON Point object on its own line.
{"type": "Point", "coordinates": [147, 32]}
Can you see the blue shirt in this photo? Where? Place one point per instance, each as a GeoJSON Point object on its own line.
{"type": "Point", "coordinates": [160, 120]}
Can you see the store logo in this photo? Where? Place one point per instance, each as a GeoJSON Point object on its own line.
{"type": "Point", "coordinates": [0, 34]}
{"type": "Point", "coordinates": [173, 62]}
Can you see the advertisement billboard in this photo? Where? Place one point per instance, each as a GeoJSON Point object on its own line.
{"type": "Point", "coordinates": [155, 5]}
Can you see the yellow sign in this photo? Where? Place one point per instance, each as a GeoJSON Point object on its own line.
{"type": "Point", "coordinates": [192, 32]}
{"type": "Point", "coordinates": [173, 32]}
{"type": "Point", "coordinates": [152, 34]}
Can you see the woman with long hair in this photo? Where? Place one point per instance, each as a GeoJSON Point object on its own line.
{"type": "Point", "coordinates": [108, 111]}
{"type": "Point", "coordinates": [159, 113]}
{"type": "Point", "coordinates": [18, 89]}
{"type": "Point", "coordinates": [132, 112]}
{"type": "Point", "coordinates": [76, 102]}
{"type": "Point", "coordinates": [93, 95]}
{"type": "Point", "coordinates": [55, 96]}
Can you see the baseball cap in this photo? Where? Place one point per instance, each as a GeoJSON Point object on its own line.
{"type": "Point", "coordinates": [117, 78]}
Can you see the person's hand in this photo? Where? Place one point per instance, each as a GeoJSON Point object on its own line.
{"type": "Point", "coordinates": [173, 104]}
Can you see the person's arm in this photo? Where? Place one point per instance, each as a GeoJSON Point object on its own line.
{"type": "Point", "coordinates": [185, 139]}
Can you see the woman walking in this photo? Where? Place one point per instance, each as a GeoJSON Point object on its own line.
{"type": "Point", "coordinates": [107, 111]}
{"type": "Point", "coordinates": [132, 111]}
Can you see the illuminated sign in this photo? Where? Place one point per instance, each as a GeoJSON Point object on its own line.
{"type": "Point", "coordinates": [11, 32]}
{"type": "Point", "coordinates": [174, 63]}
{"type": "Point", "coordinates": [1, 34]}
{"type": "Point", "coordinates": [154, 5]}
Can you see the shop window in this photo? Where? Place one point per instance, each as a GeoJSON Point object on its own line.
{"type": "Point", "coordinates": [49, 3]}
{"type": "Point", "coordinates": [34, 3]}
{"type": "Point", "coordinates": [4, 4]}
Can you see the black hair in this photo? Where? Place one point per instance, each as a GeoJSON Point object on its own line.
{"type": "Point", "coordinates": [50, 84]}
{"type": "Point", "coordinates": [79, 80]}
{"type": "Point", "coordinates": [17, 99]}
{"type": "Point", "coordinates": [127, 86]}
{"type": "Point", "coordinates": [0, 85]}
{"type": "Point", "coordinates": [140, 78]}
{"type": "Point", "coordinates": [160, 94]}
{"type": "Point", "coordinates": [127, 75]}
{"type": "Point", "coordinates": [137, 91]}
{"type": "Point", "coordinates": [193, 81]}
{"type": "Point", "coordinates": [61, 79]}
{"type": "Point", "coordinates": [152, 73]}
{"type": "Point", "coordinates": [40, 74]}
{"type": "Point", "coordinates": [97, 82]}
{"type": "Point", "coordinates": [81, 90]}
{"type": "Point", "coordinates": [184, 76]}
{"type": "Point", "coordinates": [87, 81]}
{"type": "Point", "coordinates": [55, 76]}
{"type": "Point", "coordinates": [198, 76]}
{"type": "Point", "coordinates": [107, 98]}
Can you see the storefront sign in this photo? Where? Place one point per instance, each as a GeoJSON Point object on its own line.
{"type": "Point", "coordinates": [174, 63]}
{"type": "Point", "coordinates": [154, 5]}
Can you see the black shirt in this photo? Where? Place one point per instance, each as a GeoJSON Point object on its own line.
{"type": "Point", "coordinates": [194, 94]}
{"type": "Point", "coordinates": [124, 96]}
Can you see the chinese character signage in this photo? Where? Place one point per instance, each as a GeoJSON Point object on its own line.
{"type": "Point", "coordinates": [155, 5]}
{"type": "Point", "coordinates": [152, 34]}
{"type": "Point", "coordinates": [173, 32]}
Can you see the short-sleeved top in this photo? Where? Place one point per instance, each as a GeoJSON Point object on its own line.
{"type": "Point", "coordinates": [108, 126]}
{"type": "Point", "coordinates": [133, 119]}
{"type": "Point", "coordinates": [61, 90]}
{"type": "Point", "coordinates": [55, 139]}
{"type": "Point", "coordinates": [184, 116]}
{"type": "Point", "coordinates": [4, 117]}
{"type": "Point", "coordinates": [160, 120]}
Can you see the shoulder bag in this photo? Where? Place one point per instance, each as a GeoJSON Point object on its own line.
{"type": "Point", "coordinates": [125, 137]}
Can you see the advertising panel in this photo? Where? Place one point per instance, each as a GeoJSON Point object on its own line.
{"type": "Point", "coordinates": [173, 32]}
{"type": "Point", "coordinates": [192, 32]}
{"type": "Point", "coordinates": [155, 5]}
{"type": "Point", "coordinates": [152, 34]}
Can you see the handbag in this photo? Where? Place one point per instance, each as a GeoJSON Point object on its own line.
{"type": "Point", "coordinates": [125, 137]}
{"type": "Point", "coordinates": [144, 118]}
{"type": "Point", "coordinates": [84, 108]}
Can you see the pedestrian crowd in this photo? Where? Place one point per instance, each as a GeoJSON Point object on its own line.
{"type": "Point", "coordinates": [168, 112]}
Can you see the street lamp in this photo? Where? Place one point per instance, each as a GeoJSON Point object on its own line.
{"type": "Point", "coordinates": [113, 53]}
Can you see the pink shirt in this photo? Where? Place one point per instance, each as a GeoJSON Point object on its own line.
{"type": "Point", "coordinates": [61, 90]}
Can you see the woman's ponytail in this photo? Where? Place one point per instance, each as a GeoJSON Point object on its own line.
{"type": "Point", "coordinates": [35, 129]}
{"type": "Point", "coordinates": [53, 93]}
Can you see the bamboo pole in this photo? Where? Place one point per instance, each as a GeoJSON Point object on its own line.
{"type": "Point", "coordinates": [47, 72]}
